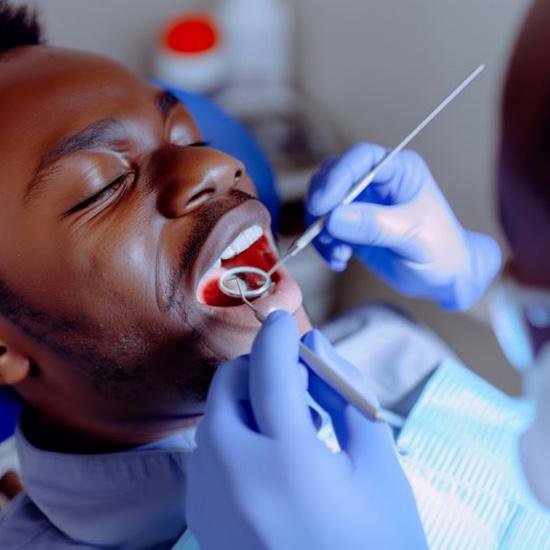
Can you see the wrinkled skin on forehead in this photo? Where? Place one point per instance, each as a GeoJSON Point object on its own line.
{"type": "Point", "coordinates": [103, 299]}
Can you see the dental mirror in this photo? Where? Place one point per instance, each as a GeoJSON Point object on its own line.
{"type": "Point", "coordinates": [229, 286]}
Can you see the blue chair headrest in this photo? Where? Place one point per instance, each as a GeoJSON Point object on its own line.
{"type": "Point", "coordinates": [9, 413]}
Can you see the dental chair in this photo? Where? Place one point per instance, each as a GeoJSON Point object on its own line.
{"type": "Point", "coordinates": [224, 133]}
{"type": "Point", "coordinates": [9, 412]}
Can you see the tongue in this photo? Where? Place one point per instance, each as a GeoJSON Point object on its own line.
{"type": "Point", "coordinates": [213, 296]}
{"type": "Point", "coordinates": [258, 255]}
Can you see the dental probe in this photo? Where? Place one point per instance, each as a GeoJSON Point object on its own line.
{"type": "Point", "coordinates": [315, 228]}
{"type": "Point", "coordinates": [335, 380]}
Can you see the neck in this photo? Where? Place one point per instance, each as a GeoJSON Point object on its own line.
{"type": "Point", "coordinates": [50, 436]}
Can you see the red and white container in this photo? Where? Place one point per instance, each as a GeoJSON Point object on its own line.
{"type": "Point", "coordinates": [190, 54]}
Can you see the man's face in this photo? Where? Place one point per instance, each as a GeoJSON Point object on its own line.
{"type": "Point", "coordinates": [112, 213]}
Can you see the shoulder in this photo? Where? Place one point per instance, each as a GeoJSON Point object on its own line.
{"type": "Point", "coordinates": [23, 526]}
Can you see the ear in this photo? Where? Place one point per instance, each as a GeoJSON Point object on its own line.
{"type": "Point", "coordinates": [14, 367]}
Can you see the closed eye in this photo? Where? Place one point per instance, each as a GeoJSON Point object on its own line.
{"type": "Point", "coordinates": [200, 144]}
{"type": "Point", "coordinates": [105, 193]}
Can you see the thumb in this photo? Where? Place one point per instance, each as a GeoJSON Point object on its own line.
{"type": "Point", "coordinates": [277, 387]}
{"type": "Point", "coordinates": [372, 224]}
{"type": "Point", "coordinates": [370, 444]}
{"type": "Point", "coordinates": [485, 263]}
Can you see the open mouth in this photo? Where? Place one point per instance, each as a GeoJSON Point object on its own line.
{"type": "Point", "coordinates": [242, 238]}
{"type": "Point", "coordinates": [250, 248]}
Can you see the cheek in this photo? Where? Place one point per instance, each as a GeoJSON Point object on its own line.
{"type": "Point", "coordinates": [129, 265]}
{"type": "Point", "coordinates": [113, 273]}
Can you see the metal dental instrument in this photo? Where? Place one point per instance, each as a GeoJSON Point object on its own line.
{"type": "Point", "coordinates": [314, 229]}
{"type": "Point", "coordinates": [232, 275]}
{"type": "Point", "coordinates": [334, 379]}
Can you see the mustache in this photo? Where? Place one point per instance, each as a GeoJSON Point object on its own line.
{"type": "Point", "coordinates": [206, 217]}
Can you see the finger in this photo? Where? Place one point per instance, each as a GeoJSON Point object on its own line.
{"type": "Point", "coordinates": [328, 398]}
{"type": "Point", "coordinates": [223, 412]}
{"type": "Point", "coordinates": [340, 256]}
{"type": "Point", "coordinates": [397, 181]}
{"type": "Point", "coordinates": [277, 387]}
{"type": "Point", "coordinates": [369, 443]}
{"type": "Point", "coordinates": [485, 263]}
{"type": "Point", "coordinates": [329, 186]}
{"type": "Point", "coordinates": [359, 437]}
{"type": "Point", "coordinates": [336, 253]}
{"type": "Point", "coordinates": [375, 225]}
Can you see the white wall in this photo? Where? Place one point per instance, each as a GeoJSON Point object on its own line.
{"type": "Point", "coordinates": [122, 29]}
{"type": "Point", "coordinates": [378, 66]}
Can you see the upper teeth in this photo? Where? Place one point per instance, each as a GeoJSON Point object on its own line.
{"type": "Point", "coordinates": [246, 239]}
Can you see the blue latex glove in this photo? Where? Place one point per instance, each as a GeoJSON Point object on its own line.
{"type": "Point", "coordinates": [261, 478]}
{"type": "Point", "coordinates": [402, 228]}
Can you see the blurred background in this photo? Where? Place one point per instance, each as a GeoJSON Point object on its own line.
{"type": "Point", "coordinates": [311, 77]}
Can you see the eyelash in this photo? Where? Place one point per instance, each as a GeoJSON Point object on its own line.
{"type": "Point", "coordinates": [107, 191]}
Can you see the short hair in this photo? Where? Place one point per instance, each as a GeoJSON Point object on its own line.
{"type": "Point", "coordinates": [19, 27]}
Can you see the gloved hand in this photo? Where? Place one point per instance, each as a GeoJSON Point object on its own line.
{"type": "Point", "coordinates": [261, 478]}
{"type": "Point", "coordinates": [402, 228]}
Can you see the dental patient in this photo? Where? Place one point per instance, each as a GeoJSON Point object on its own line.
{"type": "Point", "coordinates": [116, 221]}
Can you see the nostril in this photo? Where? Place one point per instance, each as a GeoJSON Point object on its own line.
{"type": "Point", "coordinates": [238, 175]}
{"type": "Point", "coordinates": [200, 197]}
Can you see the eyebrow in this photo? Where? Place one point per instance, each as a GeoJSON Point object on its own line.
{"type": "Point", "coordinates": [98, 135]}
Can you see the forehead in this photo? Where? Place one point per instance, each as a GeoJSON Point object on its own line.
{"type": "Point", "coordinates": [38, 82]}
{"type": "Point", "coordinates": [48, 93]}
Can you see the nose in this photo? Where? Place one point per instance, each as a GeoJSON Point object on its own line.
{"type": "Point", "coordinates": [190, 176]}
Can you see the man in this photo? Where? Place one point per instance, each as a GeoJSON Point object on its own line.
{"type": "Point", "coordinates": [90, 134]}
{"type": "Point", "coordinates": [113, 212]}
{"type": "Point", "coordinates": [116, 221]}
